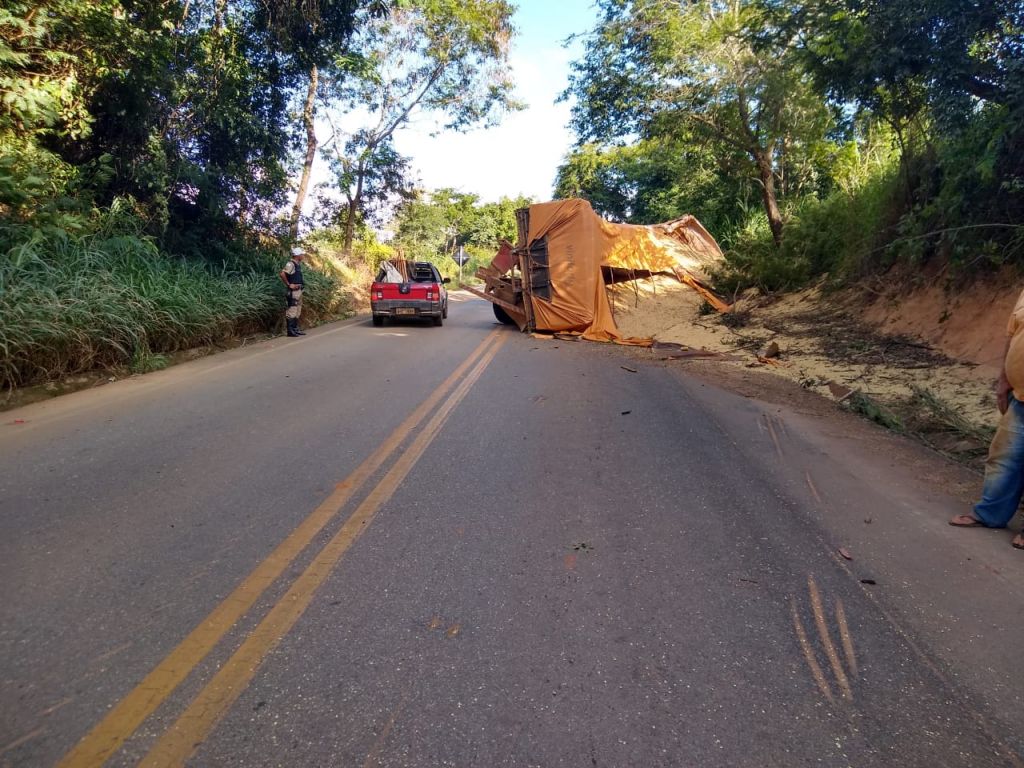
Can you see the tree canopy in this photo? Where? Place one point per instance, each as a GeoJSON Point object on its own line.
{"type": "Point", "coordinates": [693, 105]}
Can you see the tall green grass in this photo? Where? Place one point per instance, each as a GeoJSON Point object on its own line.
{"type": "Point", "coordinates": [73, 303]}
{"type": "Point", "coordinates": [842, 236]}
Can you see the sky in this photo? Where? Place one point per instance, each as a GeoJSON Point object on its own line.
{"type": "Point", "coordinates": [522, 154]}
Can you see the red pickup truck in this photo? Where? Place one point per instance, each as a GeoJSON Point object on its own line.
{"type": "Point", "coordinates": [409, 289]}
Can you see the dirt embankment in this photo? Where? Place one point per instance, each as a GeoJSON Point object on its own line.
{"type": "Point", "coordinates": [922, 361]}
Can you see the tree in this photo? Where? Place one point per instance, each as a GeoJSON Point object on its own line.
{"type": "Point", "coordinates": [657, 179]}
{"type": "Point", "coordinates": [893, 56]}
{"type": "Point", "coordinates": [429, 225]}
{"type": "Point", "coordinates": [179, 105]}
{"type": "Point", "coordinates": [675, 68]}
{"type": "Point", "coordinates": [314, 35]}
{"type": "Point", "coordinates": [443, 58]}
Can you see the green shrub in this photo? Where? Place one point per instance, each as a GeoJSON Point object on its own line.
{"type": "Point", "coordinates": [69, 303]}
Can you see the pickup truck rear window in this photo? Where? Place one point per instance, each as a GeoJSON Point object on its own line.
{"type": "Point", "coordinates": [423, 275]}
{"type": "Point", "coordinates": [421, 272]}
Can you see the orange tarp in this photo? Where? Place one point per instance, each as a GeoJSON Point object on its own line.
{"type": "Point", "coordinates": [585, 251]}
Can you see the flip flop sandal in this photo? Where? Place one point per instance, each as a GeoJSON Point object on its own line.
{"type": "Point", "coordinates": [1018, 541]}
{"type": "Point", "coordinates": [974, 522]}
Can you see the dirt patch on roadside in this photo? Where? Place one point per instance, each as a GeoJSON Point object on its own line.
{"type": "Point", "coordinates": [825, 344]}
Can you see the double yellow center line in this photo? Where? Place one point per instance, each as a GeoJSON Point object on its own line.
{"type": "Point", "coordinates": [213, 701]}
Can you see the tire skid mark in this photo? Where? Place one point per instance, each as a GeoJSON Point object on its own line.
{"type": "Point", "coordinates": [23, 739]}
{"type": "Point", "coordinates": [373, 757]}
{"type": "Point", "coordinates": [771, 431]}
{"type": "Point", "coordinates": [846, 638]}
{"type": "Point", "coordinates": [810, 484]}
{"type": "Point", "coordinates": [827, 646]}
{"type": "Point", "coordinates": [808, 651]}
{"type": "Point", "coordinates": [982, 721]}
{"type": "Point", "coordinates": [826, 639]}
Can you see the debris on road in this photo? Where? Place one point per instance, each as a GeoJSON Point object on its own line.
{"type": "Point", "coordinates": [839, 392]}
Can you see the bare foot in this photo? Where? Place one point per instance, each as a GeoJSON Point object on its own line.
{"type": "Point", "coordinates": [1018, 541]}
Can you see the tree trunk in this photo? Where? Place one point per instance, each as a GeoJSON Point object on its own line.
{"type": "Point", "coordinates": [771, 204]}
{"type": "Point", "coordinates": [354, 203]}
{"type": "Point", "coordinates": [350, 227]}
{"type": "Point", "coordinates": [308, 113]}
{"type": "Point", "coordinates": [763, 158]}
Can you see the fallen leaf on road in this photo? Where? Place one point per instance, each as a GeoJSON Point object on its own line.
{"type": "Point", "coordinates": [845, 554]}
{"type": "Point", "coordinates": [627, 368]}
{"type": "Point", "coordinates": [626, 413]}
{"type": "Point", "coordinates": [771, 350]}
{"type": "Point", "coordinates": [868, 581]}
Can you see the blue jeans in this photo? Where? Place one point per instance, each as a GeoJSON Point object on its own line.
{"type": "Point", "coordinates": [1004, 470]}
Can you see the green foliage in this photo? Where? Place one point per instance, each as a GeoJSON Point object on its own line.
{"type": "Point", "coordinates": [432, 226]}
{"type": "Point", "coordinates": [886, 132]}
{"type": "Point", "coordinates": [841, 235]}
{"type": "Point", "coordinates": [869, 408]}
{"type": "Point", "coordinates": [655, 180]}
{"type": "Point", "coordinates": [690, 72]}
{"type": "Point", "coordinates": [894, 57]}
{"type": "Point", "coordinates": [752, 259]}
{"type": "Point", "coordinates": [69, 303]}
{"type": "Point", "coordinates": [443, 59]}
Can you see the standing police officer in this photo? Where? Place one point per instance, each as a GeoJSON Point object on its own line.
{"type": "Point", "coordinates": [291, 276]}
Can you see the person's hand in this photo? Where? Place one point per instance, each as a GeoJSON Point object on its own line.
{"type": "Point", "coordinates": [1003, 389]}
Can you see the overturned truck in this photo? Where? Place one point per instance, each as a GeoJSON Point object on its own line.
{"type": "Point", "coordinates": [554, 279]}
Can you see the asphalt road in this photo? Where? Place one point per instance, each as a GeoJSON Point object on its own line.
{"type": "Point", "coordinates": [463, 546]}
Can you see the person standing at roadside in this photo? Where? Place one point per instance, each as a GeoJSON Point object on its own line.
{"type": "Point", "coordinates": [291, 276]}
{"type": "Point", "coordinates": [1004, 468]}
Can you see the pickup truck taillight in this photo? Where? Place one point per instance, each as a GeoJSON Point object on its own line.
{"type": "Point", "coordinates": [378, 294]}
{"type": "Point", "coordinates": [431, 295]}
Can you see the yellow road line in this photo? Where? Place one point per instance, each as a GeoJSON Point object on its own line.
{"type": "Point", "coordinates": [109, 734]}
{"type": "Point", "coordinates": [826, 639]}
{"type": "Point", "coordinates": [847, 638]}
{"type": "Point", "coordinates": [213, 702]}
{"type": "Point", "coordinates": [805, 646]}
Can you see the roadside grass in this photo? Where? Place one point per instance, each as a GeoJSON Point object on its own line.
{"type": "Point", "coordinates": [70, 304]}
{"type": "Point", "coordinates": [941, 426]}
{"type": "Point", "coordinates": [926, 417]}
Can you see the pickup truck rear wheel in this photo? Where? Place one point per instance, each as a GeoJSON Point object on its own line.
{"type": "Point", "coordinates": [503, 317]}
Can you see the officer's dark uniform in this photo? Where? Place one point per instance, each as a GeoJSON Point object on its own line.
{"type": "Point", "coordinates": [293, 269]}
